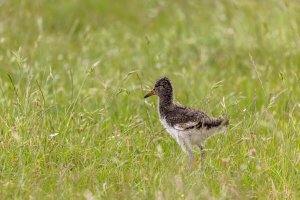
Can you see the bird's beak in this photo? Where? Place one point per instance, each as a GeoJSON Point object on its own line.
{"type": "Point", "coordinates": [151, 93]}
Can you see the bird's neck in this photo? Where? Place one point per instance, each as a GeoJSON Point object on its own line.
{"type": "Point", "coordinates": [165, 102]}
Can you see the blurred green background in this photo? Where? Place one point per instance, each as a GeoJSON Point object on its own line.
{"type": "Point", "coordinates": [74, 124]}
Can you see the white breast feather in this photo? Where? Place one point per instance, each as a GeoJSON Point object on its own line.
{"type": "Point", "coordinates": [172, 131]}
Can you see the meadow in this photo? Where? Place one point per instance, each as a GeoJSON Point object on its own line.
{"type": "Point", "coordinates": [74, 124]}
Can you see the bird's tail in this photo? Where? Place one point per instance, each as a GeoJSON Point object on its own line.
{"type": "Point", "coordinates": [219, 122]}
{"type": "Point", "coordinates": [225, 121]}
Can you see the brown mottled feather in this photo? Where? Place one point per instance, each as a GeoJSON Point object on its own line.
{"type": "Point", "coordinates": [188, 118]}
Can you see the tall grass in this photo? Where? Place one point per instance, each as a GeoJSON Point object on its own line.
{"type": "Point", "coordinates": [74, 124]}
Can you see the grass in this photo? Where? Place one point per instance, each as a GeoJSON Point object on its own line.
{"type": "Point", "coordinates": [74, 124]}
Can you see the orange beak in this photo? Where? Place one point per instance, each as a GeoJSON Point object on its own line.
{"type": "Point", "coordinates": [151, 93]}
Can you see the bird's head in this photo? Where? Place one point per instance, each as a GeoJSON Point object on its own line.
{"type": "Point", "coordinates": [161, 88]}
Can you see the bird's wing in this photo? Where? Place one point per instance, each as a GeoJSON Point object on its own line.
{"type": "Point", "coordinates": [185, 126]}
{"type": "Point", "coordinates": [185, 119]}
{"type": "Point", "coordinates": [211, 122]}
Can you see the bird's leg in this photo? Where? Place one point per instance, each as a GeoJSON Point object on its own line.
{"type": "Point", "coordinates": [191, 155]}
{"type": "Point", "coordinates": [186, 145]}
{"type": "Point", "coordinates": [191, 159]}
{"type": "Point", "coordinates": [201, 151]}
{"type": "Point", "coordinates": [181, 143]}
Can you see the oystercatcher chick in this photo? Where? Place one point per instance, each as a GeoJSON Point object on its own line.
{"type": "Point", "coordinates": [186, 125]}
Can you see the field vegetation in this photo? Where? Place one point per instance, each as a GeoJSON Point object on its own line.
{"type": "Point", "coordinates": [74, 124]}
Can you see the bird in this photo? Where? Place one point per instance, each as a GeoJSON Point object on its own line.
{"type": "Point", "coordinates": [188, 126]}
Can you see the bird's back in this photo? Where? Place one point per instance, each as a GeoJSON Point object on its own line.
{"type": "Point", "coordinates": [192, 118]}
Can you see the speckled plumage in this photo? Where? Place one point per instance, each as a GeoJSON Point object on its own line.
{"type": "Point", "coordinates": [186, 125]}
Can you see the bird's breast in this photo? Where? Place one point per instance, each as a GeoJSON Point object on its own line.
{"type": "Point", "coordinates": [172, 131]}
